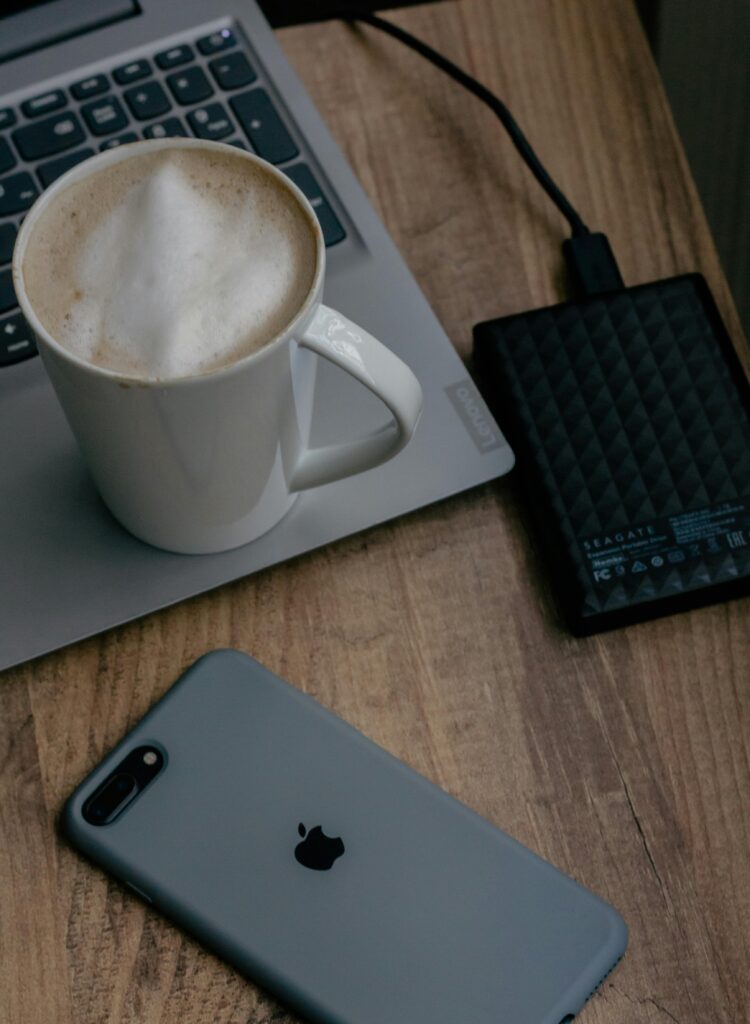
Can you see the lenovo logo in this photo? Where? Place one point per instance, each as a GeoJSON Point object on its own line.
{"type": "Point", "coordinates": [474, 415]}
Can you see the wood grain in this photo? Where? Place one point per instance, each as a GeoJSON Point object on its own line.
{"type": "Point", "coordinates": [624, 759]}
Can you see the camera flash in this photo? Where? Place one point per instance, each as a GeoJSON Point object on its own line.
{"type": "Point", "coordinates": [149, 757]}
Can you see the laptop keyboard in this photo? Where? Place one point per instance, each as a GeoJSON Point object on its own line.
{"type": "Point", "coordinates": [206, 87]}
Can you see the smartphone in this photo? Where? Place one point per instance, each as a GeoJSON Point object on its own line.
{"type": "Point", "coordinates": [328, 871]}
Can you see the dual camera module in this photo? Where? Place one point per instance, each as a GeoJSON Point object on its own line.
{"type": "Point", "coordinates": [123, 785]}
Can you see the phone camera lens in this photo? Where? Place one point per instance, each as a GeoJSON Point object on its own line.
{"type": "Point", "coordinates": [124, 784]}
{"type": "Point", "coordinates": [109, 800]}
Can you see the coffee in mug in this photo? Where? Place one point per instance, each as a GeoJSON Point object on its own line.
{"type": "Point", "coordinates": [174, 287]}
{"type": "Point", "coordinates": [172, 264]}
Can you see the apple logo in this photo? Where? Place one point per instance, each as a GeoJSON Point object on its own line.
{"type": "Point", "coordinates": [317, 850]}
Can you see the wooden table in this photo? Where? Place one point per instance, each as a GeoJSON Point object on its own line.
{"type": "Point", "coordinates": [624, 759]}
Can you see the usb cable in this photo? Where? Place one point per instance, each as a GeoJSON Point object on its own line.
{"type": "Point", "coordinates": [592, 267]}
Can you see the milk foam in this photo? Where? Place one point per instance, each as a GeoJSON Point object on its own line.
{"type": "Point", "coordinates": [170, 264]}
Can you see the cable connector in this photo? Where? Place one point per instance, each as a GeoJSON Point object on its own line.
{"type": "Point", "coordinates": [592, 267]}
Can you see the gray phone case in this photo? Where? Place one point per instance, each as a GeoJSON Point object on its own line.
{"type": "Point", "coordinates": [429, 916]}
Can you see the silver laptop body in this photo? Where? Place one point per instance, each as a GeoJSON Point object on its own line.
{"type": "Point", "coordinates": [68, 570]}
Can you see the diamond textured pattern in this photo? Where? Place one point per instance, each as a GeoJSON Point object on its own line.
{"type": "Point", "coordinates": [624, 408]}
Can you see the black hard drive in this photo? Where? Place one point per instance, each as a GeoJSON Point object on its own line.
{"type": "Point", "coordinates": [630, 416]}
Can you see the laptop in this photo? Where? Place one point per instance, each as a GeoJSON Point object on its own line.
{"type": "Point", "coordinates": [78, 77]}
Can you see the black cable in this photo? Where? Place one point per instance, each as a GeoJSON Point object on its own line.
{"type": "Point", "coordinates": [496, 105]}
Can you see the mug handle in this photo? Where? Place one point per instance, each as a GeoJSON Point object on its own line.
{"type": "Point", "coordinates": [335, 338]}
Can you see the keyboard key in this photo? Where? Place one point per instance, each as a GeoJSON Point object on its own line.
{"type": "Point", "coordinates": [131, 72]}
{"type": "Point", "coordinates": [16, 340]}
{"type": "Point", "coordinates": [49, 172]}
{"type": "Point", "coordinates": [119, 140]}
{"type": "Point", "coordinates": [169, 129]}
{"type": "Point", "coordinates": [306, 182]}
{"type": "Point", "coordinates": [7, 291]}
{"type": "Point", "coordinates": [8, 234]}
{"type": "Point", "coordinates": [88, 87]}
{"type": "Point", "coordinates": [190, 86]}
{"type": "Point", "coordinates": [105, 116]}
{"type": "Point", "coordinates": [7, 117]}
{"type": "Point", "coordinates": [216, 41]}
{"type": "Point", "coordinates": [173, 56]}
{"type": "Point", "coordinates": [232, 71]}
{"type": "Point", "coordinates": [147, 101]}
{"type": "Point", "coordinates": [263, 126]}
{"type": "Point", "coordinates": [45, 138]}
{"type": "Point", "coordinates": [17, 193]}
{"type": "Point", "coordinates": [211, 122]}
{"type": "Point", "coordinates": [237, 143]}
{"type": "Point", "coordinates": [7, 160]}
{"type": "Point", "coordinates": [45, 103]}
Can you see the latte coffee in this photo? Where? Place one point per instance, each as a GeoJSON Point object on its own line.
{"type": "Point", "coordinates": [171, 263]}
{"type": "Point", "coordinates": [174, 289]}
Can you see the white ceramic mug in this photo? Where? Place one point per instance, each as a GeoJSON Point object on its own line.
{"type": "Point", "coordinates": [212, 461]}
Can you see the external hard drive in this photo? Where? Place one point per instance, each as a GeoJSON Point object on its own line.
{"type": "Point", "coordinates": [630, 416]}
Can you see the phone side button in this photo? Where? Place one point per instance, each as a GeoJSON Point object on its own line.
{"type": "Point", "coordinates": [139, 892]}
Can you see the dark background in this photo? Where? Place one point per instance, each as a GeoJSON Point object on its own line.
{"type": "Point", "coordinates": [292, 12]}
{"type": "Point", "coordinates": [702, 50]}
